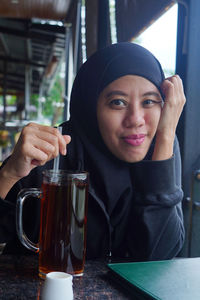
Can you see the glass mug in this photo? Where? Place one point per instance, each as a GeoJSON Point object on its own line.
{"type": "Point", "coordinates": [63, 219]}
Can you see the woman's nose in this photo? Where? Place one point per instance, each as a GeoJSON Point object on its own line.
{"type": "Point", "coordinates": [134, 117]}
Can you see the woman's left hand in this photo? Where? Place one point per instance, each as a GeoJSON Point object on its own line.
{"type": "Point", "coordinates": [172, 89]}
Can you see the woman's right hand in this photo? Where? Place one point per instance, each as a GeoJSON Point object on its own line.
{"type": "Point", "coordinates": [36, 145]}
{"type": "Point", "coordinates": [173, 91]}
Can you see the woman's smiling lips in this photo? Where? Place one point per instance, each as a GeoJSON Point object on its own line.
{"type": "Point", "coordinates": [134, 139]}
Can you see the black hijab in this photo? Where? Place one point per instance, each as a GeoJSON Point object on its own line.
{"type": "Point", "coordinates": [109, 176]}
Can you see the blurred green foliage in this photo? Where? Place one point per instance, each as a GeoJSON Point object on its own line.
{"type": "Point", "coordinates": [52, 103]}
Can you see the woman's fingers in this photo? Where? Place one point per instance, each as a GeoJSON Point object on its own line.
{"type": "Point", "coordinates": [174, 97]}
{"type": "Point", "coordinates": [67, 139]}
{"type": "Point", "coordinates": [61, 141]}
{"type": "Point", "coordinates": [46, 139]}
{"type": "Point", "coordinates": [174, 100]}
{"type": "Point", "coordinates": [37, 144]}
{"type": "Point", "coordinates": [173, 90]}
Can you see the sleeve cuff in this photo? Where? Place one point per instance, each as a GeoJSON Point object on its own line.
{"type": "Point", "coordinates": [154, 176]}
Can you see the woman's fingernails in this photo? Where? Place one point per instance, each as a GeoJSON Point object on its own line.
{"type": "Point", "coordinates": [64, 151]}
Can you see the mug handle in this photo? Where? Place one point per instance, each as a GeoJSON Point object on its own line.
{"type": "Point", "coordinates": [21, 197]}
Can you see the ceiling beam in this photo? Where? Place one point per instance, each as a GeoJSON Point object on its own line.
{"type": "Point", "coordinates": [21, 61]}
{"type": "Point", "coordinates": [10, 74]}
{"type": "Point", "coordinates": [48, 29]}
{"type": "Point", "coordinates": [29, 34]}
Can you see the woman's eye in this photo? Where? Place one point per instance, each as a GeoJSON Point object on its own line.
{"type": "Point", "coordinates": [149, 102]}
{"type": "Point", "coordinates": [117, 103]}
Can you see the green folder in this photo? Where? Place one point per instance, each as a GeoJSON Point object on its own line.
{"type": "Point", "coordinates": [177, 279]}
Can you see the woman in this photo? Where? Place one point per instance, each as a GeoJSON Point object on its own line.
{"type": "Point", "coordinates": [123, 118]}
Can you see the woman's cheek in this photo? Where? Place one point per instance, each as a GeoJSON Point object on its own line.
{"type": "Point", "coordinates": [152, 120]}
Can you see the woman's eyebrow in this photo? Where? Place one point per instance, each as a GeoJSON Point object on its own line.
{"type": "Point", "coordinates": [150, 93]}
{"type": "Point", "coordinates": [115, 93]}
{"type": "Point", "coordinates": [121, 93]}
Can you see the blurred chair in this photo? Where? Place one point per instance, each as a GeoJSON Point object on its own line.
{"type": "Point", "coordinates": [191, 211]}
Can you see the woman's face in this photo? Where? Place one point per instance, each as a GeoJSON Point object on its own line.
{"type": "Point", "coordinates": [128, 112]}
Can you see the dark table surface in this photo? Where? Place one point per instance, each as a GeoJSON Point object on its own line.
{"type": "Point", "coordinates": [19, 281]}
